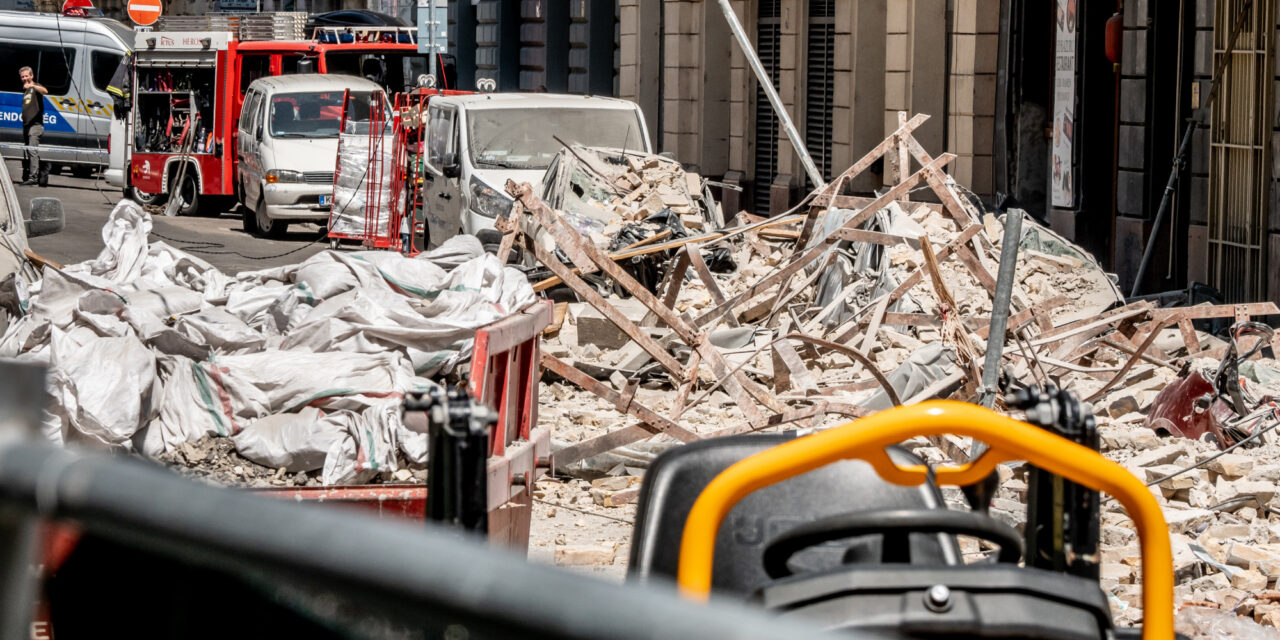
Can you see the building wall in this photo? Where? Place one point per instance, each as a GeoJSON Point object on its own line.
{"type": "Point", "coordinates": [679, 61]}
{"type": "Point", "coordinates": [972, 107]}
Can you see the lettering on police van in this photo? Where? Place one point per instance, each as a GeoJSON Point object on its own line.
{"type": "Point", "coordinates": [11, 114]}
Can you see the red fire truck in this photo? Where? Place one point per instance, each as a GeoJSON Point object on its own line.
{"type": "Point", "coordinates": [189, 87]}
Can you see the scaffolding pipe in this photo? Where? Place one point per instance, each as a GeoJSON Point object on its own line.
{"type": "Point", "coordinates": [762, 77]}
{"type": "Point", "coordinates": [1000, 307]}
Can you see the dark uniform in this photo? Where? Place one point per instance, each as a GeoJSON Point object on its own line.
{"type": "Point", "coordinates": [32, 129]}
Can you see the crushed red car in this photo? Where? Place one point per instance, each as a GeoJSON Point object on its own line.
{"type": "Point", "coordinates": [1222, 411]}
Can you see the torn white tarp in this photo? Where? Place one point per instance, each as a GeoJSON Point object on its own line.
{"type": "Point", "coordinates": [306, 365]}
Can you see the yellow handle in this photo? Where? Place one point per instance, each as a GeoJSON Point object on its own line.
{"type": "Point", "coordinates": [866, 439]}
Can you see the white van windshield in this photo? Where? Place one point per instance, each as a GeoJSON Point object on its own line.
{"type": "Point", "coordinates": [315, 114]}
{"type": "Point", "coordinates": [526, 138]}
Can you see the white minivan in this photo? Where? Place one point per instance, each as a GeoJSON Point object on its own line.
{"type": "Point", "coordinates": [287, 148]}
{"type": "Point", "coordinates": [74, 58]}
{"type": "Point", "coordinates": [475, 143]}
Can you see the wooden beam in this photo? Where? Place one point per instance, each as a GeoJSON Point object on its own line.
{"type": "Point", "coordinates": [651, 421]}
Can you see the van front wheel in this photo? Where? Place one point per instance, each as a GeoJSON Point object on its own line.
{"type": "Point", "coordinates": [268, 226]}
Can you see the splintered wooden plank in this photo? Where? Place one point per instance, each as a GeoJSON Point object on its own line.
{"type": "Point", "coordinates": [1189, 336]}
{"type": "Point", "coordinates": [652, 421]}
{"type": "Point", "coordinates": [589, 295]}
{"type": "Point", "coordinates": [583, 254]}
{"type": "Point", "coordinates": [693, 253]}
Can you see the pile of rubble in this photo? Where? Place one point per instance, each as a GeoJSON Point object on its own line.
{"type": "Point", "coordinates": [849, 305]}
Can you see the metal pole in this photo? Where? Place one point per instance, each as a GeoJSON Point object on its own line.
{"type": "Point", "coordinates": [1000, 307]}
{"type": "Point", "coordinates": [763, 78]}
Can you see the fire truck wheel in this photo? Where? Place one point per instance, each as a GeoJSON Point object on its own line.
{"type": "Point", "coordinates": [268, 227]}
{"type": "Point", "coordinates": [144, 198]}
{"type": "Point", "coordinates": [190, 197]}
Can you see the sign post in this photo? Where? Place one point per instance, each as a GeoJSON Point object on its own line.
{"type": "Point", "coordinates": [144, 12]}
{"type": "Point", "coordinates": [433, 26]}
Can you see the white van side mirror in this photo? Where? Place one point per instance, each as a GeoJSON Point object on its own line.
{"type": "Point", "coordinates": [449, 165]}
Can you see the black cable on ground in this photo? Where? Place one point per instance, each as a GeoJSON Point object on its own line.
{"type": "Point", "coordinates": [206, 247]}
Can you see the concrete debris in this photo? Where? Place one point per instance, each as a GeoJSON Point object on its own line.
{"type": "Point", "coordinates": [841, 305]}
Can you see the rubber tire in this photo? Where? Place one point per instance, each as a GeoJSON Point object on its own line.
{"type": "Point", "coordinates": [191, 196]}
{"type": "Point", "coordinates": [143, 198]}
{"type": "Point", "coordinates": [250, 219]}
{"type": "Point", "coordinates": [268, 228]}
{"type": "Point", "coordinates": [334, 243]}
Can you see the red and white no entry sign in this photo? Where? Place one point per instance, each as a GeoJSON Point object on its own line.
{"type": "Point", "coordinates": [144, 12]}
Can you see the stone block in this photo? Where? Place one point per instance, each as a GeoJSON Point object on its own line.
{"type": "Point", "coordinates": [595, 329]}
{"type": "Point", "coordinates": [1232, 465]}
{"type": "Point", "coordinates": [1132, 146]}
{"type": "Point", "coordinates": [584, 555]}
{"type": "Point", "coordinates": [1187, 520]}
{"type": "Point", "coordinates": [1164, 455]}
{"type": "Point", "coordinates": [1249, 580]}
{"type": "Point", "coordinates": [1249, 557]}
{"type": "Point", "coordinates": [1181, 481]}
{"type": "Point", "coordinates": [1131, 200]}
{"type": "Point", "coordinates": [1133, 101]}
{"type": "Point", "coordinates": [1134, 60]}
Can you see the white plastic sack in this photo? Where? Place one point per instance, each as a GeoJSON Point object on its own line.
{"type": "Point", "coordinates": [296, 441]}
{"type": "Point", "coordinates": [104, 385]}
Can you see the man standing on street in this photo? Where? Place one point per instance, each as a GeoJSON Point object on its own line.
{"type": "Point", "coordinates": [33, 171]}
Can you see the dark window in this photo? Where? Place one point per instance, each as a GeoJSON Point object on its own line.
{"type": "Point", "coordinates": [820, 89]}
{"type": "Point", "coordinates": [394, 71]}
{"type": "Point", "coordinates": [252, 68]}
{"type": "Point", "coordinates": [768, 43]}
{"type": "Point", "coordinates": [103, 65]}
{"type": "Point", "coordinates": [289, 64]}
{"type": "Point", "coordinates": [52, 67]}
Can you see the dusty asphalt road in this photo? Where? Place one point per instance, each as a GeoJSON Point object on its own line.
{"type": "Point", "coordinates": [216, 235]}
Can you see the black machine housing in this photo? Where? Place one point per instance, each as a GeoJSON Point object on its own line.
{"type": "Point", "coordinates": [843, 548]}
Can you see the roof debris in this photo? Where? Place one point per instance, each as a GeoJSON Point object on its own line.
{"type": "Point", "coordinates": [847, 305]}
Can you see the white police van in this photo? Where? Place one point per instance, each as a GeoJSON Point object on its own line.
{"type": "Point", "coordinates": [74, 58]}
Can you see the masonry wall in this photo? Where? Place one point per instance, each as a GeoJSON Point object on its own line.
{"type": "Point", "coordinates": [972, 106]}
{"type": "Point", "coordinates": [677, 59]}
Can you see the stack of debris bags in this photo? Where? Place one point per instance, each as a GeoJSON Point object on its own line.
{"type": "Point", "coordinates": [837, 312]}
{"type": "Point", "coordinates": [303, 366]}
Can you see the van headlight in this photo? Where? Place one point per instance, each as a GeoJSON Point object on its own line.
{"type": "Point", "coordinates": [487, 201]}
{"type": "Point", "coordinates": [283, 175]}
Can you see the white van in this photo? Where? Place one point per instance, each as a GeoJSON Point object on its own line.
{"type": "Point", "coordinates": [287, 148]}
{"type": "Point", "coordinates": [475, 143]}
{"type": "Point", "coordinates": [74, 58]}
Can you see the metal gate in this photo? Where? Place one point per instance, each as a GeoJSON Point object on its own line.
{"type": "Point", "coordinates": [820, 89]}
{"type": "Point", "coordinates": [768, 43]}
{"type": "Point", "coordinates": [1240, 152]}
